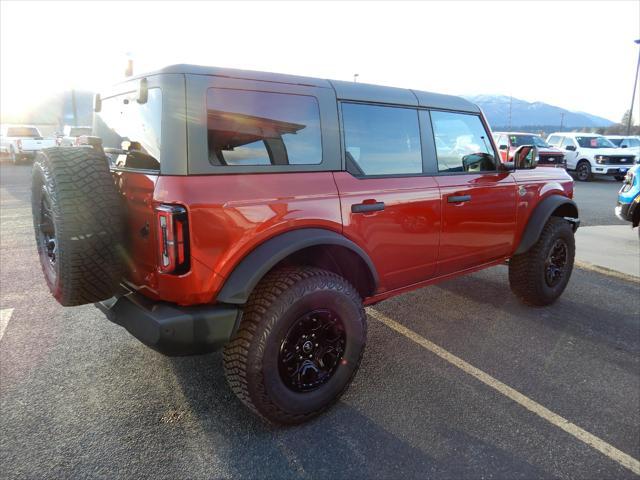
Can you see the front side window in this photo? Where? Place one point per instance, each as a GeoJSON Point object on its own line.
{"type": "Point", "coordinates": [130, 131]}
{"type": "Point", "coordinates": [566, 142]}
{"type": "Point", "coordinates": [262, 128]}
{"type": "Point", "coordinates": [594, 142]}
{"type": "Point", "coordinates": [462, 143]}
{"type": "Point", "coordinates": [381, 140]}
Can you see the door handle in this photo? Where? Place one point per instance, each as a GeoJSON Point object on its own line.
{"type": "Point", "coordinates": [458, 198]}
{"type": "Point", "coordinates": [367, 207]}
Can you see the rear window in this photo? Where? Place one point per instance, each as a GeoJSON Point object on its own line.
{"type": "Point", "coordinates": [130, 131]}
{"type": "Point", "coordinates": [262, 128]}
{"type": "Point", "coordinates": [22, 132]}
{"type": "Point", "coordinates": [77, 132]}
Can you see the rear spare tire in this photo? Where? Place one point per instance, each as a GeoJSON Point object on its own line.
{"type": "Point", "coordinates": [78, 221]}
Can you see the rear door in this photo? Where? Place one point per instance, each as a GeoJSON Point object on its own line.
{"type": "Point", "coordinates": [389, 206]}
{"type": "Point", "coordinates": [478, 201]}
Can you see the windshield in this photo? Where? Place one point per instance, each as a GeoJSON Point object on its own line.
{"type": "Point", "coordinates": [22, 132]}
{"type": "Point", "coordinates": [594, 142]}
{"type": "Point", "coordinates": [78, 131]}
{"type": "Point", "coordinates": [125, 124]}
{"type": "Point", "coordinates": [519, 140]}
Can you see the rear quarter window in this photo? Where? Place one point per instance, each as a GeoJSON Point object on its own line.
{"type": "Point", "coordinates": [247, 128]}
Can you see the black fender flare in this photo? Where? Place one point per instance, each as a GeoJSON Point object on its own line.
{"type": "Point", "coordinates": [246, 275]}
{"type": "Point", "coordinates": [541, 215]}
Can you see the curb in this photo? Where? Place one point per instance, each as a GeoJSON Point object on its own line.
{"type": "Point", "coordinates": [606, 271]}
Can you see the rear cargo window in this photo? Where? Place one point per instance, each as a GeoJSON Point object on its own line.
{"type": "Point", "coordinates": [262, 128]}
{"type": "Point", "coordinates": [130, 131]}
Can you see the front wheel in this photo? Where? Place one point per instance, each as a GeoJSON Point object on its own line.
{"type": "Point", "coordinates": [583, 171]}
{"type": "Point", "coordinates": [540, 275]}
{"type": "Point", "coordinates": [619, 177]}
{"type": "Point", "coordinates": [298, 346]}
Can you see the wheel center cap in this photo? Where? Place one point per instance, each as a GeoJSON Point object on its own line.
{"type": "Point", "coordinates": [307, 346]}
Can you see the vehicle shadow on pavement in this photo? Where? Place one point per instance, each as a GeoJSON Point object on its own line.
{"type": "Point", "coordinates": [342, 443]}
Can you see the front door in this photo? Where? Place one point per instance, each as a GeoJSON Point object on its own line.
{"type": "Point", "coordinates": [389, 207]}
{"type": "Point", "coordinates": [478, 201]}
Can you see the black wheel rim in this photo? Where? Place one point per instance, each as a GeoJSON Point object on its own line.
{"type": "Point", "coordinates": [556, 262]}
{"type": "Point", "coordinates": [312, 350]}
{"type": "Point", "coordinates": [47, 230]}
{"type": "Point", "coordinates": [583, 172]}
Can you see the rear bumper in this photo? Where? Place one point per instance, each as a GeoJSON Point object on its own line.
{"type": "Point", "coordinates": [171, 329]}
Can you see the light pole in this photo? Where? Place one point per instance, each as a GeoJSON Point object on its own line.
{"type": "Point", "coordinates": [355, 77]}
{"type": "Point", "coordinates": [633, 97]}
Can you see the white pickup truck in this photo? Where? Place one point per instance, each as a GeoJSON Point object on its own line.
{"type": "Point", "coordinates": [23, 142]}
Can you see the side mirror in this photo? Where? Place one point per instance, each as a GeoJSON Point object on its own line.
{"type": "Point", "coordinates": [525, 157]}
{"type": "Point", "coordinates": [624, 146]}
{"type": "Point", "coordinates": [143, 91]}
{"type": "Point", "coordinates": [503, 147]}
{"type": "Point", "coordinates": [508, 166]}
{"type": "Point", "coordinates": [571, 148]}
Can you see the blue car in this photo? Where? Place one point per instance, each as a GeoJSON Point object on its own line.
{"type": "Point", "coordinates": [628, 207]}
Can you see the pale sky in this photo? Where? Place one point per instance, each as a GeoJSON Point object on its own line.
{"type": "Point", "coordinates": [576, 55]}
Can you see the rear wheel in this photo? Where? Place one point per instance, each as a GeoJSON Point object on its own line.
{"type": "Point", "coordinates": [540, 275]}
{"type": "Point", "coordinates": [78, 223]}
{"type": "Point", "coordinates": [299, 344]}
{"type": "Point", "coordinates": [583, 171]}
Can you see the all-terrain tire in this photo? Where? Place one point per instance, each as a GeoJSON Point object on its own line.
{"type": "Point", "coordinates": [251, 359]}
{"type": "Point", "coordinates": [78, 220]}
{"type": "Point", "coordinates": [528, 271]}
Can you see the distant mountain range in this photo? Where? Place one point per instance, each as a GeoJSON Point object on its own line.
{"type": "Point", "coordinates": [537, 114]}
{"type": "Point", "coordinates": [58, 109]}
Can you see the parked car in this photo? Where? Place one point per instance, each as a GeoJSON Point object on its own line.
{"type": "Point", "coordinates": [22, 142]}
{"type": "Point", "coordinates": [70, 135]}
{"type": "Point", "coordinates": [631, 142]}
{"type": "Point", "coordinates": [508, 143]}
{"type": "Point", "coordinates": [628, 207]}
{"type": "Point", "coordinates": [588, 154]}
{"type": "Point", "coordinates": [260, 213]}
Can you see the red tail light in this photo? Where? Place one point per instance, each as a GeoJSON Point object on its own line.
{"type": "Point", "coordinates": [173, 239]}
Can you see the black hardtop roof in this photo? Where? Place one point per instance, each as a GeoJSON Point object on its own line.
{"type": "Point", "coordinates": [344, 90]}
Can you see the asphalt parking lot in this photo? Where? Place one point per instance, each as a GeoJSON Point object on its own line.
{"type": "Point", "coordinates": [80, 397]}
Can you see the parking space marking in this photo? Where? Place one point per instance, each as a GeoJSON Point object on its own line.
{"type": "Point", "coordinates": [610, 451]}
{"type": "Point", "coordinates": [5, 316]}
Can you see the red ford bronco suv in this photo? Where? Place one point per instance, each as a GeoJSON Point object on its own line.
{"type": "Point", "coordinates": [259, 212]}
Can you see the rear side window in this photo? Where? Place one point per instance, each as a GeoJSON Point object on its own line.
{"type": "Point", "coordinates": [381, 140]}
{"type": "Point", "coordinates": [262, 128]}
{"type": "Point", "coordinates": [462, 143]}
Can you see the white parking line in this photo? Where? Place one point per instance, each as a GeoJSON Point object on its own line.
{"type": "Point", "coordinates": [5, 316]}
{"type": "Point", "coordinates": [610, 451]}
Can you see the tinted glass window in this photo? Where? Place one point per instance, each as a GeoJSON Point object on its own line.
{"type": "Point", "coordinates": [594, 142]}
{"type": "Point", "coordinates": [126, 125]}
{"type": "Point", "coordinates": [260, 128]}
{"type": "Point", "coordinates": [381, 140]}
{"type": "Point", "coordinates": [462, 143]}
{"type": "Point", "coordinates": [22, 132]}
{"type": "Point", "coordinates": [617, 141]}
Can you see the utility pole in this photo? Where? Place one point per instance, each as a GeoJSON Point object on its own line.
{"type": "Point", "coordinates": [633, 97]}
{"type": "Point", "coordinates": [561, 120]}
{"type": "Point", "coordinates": [74, 107]}
{"type": "Point", "coordinates": [355, 77]}
{"type": "Point", "coordinates": [510, 102]}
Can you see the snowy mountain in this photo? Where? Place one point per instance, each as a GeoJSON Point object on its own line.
{"type": "Point", "coordinates": [536, 114]}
